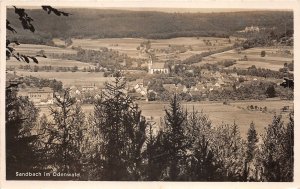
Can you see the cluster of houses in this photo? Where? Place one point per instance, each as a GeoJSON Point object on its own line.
{"type": "Point", "coordinates": [250, 29]}
{"type": "Point", "coordinates": [39, 96]}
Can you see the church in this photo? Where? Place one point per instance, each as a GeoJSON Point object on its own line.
{"type": "Point", "coordinates": [157, 67]}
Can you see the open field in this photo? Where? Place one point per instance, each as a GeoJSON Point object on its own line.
{"type": "Point", "coordinates": [235, 112]}
{"type": "Point", "coordinates": [50, 62]}
{"type": "Point", "coordinates": [71, 78]}
{"type": "Point", "coordinates": [217, 112]}
{"type": "Point", "coordinates": [273, 60]}
{"type": "Point", "coordinates": [129, 45]}
{"type": "Point", "coordinates": [32, 49]}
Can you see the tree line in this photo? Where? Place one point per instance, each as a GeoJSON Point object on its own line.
{"type": "Point", "coordinates": [115, 142]}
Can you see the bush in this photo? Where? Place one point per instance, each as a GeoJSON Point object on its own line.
{"type": "Point", "coordinates": [263, 53]}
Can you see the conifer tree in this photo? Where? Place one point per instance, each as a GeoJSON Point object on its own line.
{"type": "Point", "coordinates": [202, 161]}
{"type": "Point", "coordinates": [251, 151]}
{"type": "Point", "coordinates": [20, 118]}
{"type": "Point", "coordinates": [229, 150]}
{"type": "Point", "coordinates": [156, 157]}
{"type": "Point", "coordinates": [277, 154]}
{"type": "Point", "coordinates": [289, 149]}
{"type": "Point", "coordinates": [251, 142]}
{"type": "Point", "coordinates": [176, 140]}
{"type": "Point", "coordinates": [121, 132]}
{"type": "Point", "coordinates": [203, 164]}
{"type": "Point", "coordinates": [63, 135]}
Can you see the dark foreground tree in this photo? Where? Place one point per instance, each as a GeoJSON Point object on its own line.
{"type": "Point", "coordinates": [63, 136]}
{"type": "Point", "coordinates": [251, 169]}
{"type": "Point", "coordinates": [121, 134]}
{"type": "Point", "coordinates": [229, 148]}
{"type": "Point", "coordinates": [176, 141]}
{"type": "Point", "coordinates": [20, 119]}
{"type": "Point", "coordinates": [277, 157]}
{"type": "Point", "coordinates": [157, 157]}
{"type": "Point", "coordinates": [203, 165]}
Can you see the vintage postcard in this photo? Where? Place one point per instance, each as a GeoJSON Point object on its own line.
{"type": "Point", "coordinates": [180, 93]}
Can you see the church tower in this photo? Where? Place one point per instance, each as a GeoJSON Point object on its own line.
{"type": "Point", "coordinates": [150, 63]}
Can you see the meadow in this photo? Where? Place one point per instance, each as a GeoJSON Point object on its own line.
{"type": "Point", "coordinates": [274, 59]}
{"type": "Point", "coordinates": [54, 63]}
{"type": "Point", "coordinates": [218, 113]}
{"type": "Point", "coordinates": [33, 49]}
{"type": "Point", "coordinates": [71, 78]}
{"type": "Point", "coordinates": [129, 45]}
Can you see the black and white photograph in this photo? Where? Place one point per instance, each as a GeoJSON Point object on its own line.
{"type": "Point", "coordinates": [149, 94]}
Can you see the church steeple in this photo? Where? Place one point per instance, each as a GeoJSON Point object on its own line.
{"type": "Point", "coordinates": [150, 63]}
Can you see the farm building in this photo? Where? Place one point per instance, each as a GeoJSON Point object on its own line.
{"type": "Point", "coordinates": [38, 95]}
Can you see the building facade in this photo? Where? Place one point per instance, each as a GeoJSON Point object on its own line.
{"type": "Point", "coordinates": [38, 95]}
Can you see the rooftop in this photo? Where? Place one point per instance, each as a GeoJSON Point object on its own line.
{"type": "Point", "coordinates": [158, 65]}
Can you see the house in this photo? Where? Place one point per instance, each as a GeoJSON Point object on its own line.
{"type": "Point", "coordinates": [198, 87]}
{"type": "Point", "coordinates": [87, 88]}
{"type": "Point", "coordinates": [38, 95]}
{"type": "Point", "coordinates": [138, 96]}
{"type": "Point", "coordinates": [138, 86]}
{"type": "Point", "coordinates": [250, 29]}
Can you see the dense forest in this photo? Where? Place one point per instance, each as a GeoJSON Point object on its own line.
{"type": "Point", "coordinates": [100, 23]}
{"type": "Point", "coordinates": [115, 142]}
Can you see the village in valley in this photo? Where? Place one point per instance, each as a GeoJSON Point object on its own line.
{"type": "Point", "coordinates": [208, 71]}
{"type": "Point", "coordinates": [98, 94]}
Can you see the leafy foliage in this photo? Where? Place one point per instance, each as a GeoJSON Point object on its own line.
{"type": "Point", "coordinates": [50, 9]}
{"type": "Point", "coordinates": [26, 22]}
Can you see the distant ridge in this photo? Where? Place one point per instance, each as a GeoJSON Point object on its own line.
{"type": "Point", "coordinates": [104, 23]}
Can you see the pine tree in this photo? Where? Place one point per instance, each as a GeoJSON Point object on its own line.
{"type": "Point", "coordinates": [230, 151]}
{"type": "Point", "coordinates": [289, 150]}
{"type": "Point", "coordinates": [276, 155]}
{"type": "Point", "coordinates": [176, 142]}
{"type": "Point", "coordinates": [20, 118]}
{"type": "Point", "coordinates": [63, 135]}
{"type": "Point", "coordinates": [203, 164]}
{"type": "Point", "coordinates": [156, 157]}
{"type": "Point", "coordinates": [121, 133]}
{"type": "Point", "coordinates": [202, 161]}
{"type": "Point", "coordinates": [250, 167]}
{"type": "Point", "coordinates": [251, 143]}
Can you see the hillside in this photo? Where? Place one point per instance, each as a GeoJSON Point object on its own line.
{"type": "Point", "coordinates": [99, 23]}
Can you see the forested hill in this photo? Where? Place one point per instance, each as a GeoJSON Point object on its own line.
{"type": "Point", "coordinates": [122, 23]}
